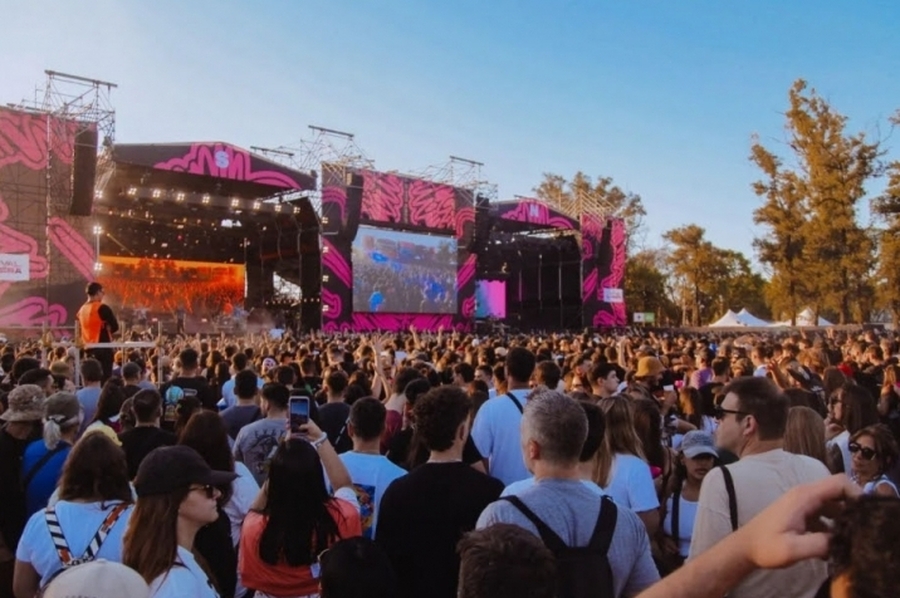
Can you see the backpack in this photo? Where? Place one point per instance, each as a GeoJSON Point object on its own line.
{"type": "Point", "coordinates": [62, 546]}
{"type": "Point", "coordinates": [584, 571]}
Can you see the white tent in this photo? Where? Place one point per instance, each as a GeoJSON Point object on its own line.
{"type": "Point", "coordinates": [806, 318]}
{"type": "Point", "coordinates": [751, 320]}
{"type": "Point", "coordinates": [729, 320]}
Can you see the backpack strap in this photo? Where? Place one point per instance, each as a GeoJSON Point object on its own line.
{"type": "Point", "coordinates": [606, 525]}
{"type": "Point", "coordinates": [36, 469]}
{"type": "Point", "coordinates": [516, 401]}
{"type": "Point", "coordinates": [732, 497]}
{"type": "Point", "coordinates": [550, 538]}
{"type": "Point", "coordinates": [90, 553]}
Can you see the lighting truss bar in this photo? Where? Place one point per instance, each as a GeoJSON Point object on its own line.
{"type": "Point", "coordinates": [211, 200]}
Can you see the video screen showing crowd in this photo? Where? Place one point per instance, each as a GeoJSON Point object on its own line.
{"type": "Point", "coordinates": [399, 272]}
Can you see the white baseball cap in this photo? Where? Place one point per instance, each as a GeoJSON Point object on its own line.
{"type": "Point", "coordinates": [98, 579]}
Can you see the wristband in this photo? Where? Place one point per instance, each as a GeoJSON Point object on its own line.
{"type": "Point", "coordinates": [320, 441]}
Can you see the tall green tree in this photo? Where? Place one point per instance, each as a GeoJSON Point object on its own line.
{"type": "Point", "coordinates": [573, 196]}
{"type": "Point", "coordinates": [828, 259]}
{"type": "Point", "coordinates": [887, 206]}
{"type": "Point", "coordinates": [646, 286]}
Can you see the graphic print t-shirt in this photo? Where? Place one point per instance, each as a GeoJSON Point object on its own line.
{"type": "Point", "coordinates": [256, 443]}
{"type": "Point", "coordinates": [371, 475]}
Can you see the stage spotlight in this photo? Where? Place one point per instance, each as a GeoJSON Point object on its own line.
{"type": "Point", "coordinates": [98, 266]}
{"type": "Point", "coordinates": [296, 210]}
{"type": "Point", "coordinates": [179, 197]}
{"type": "Point", "coordinates": [157, 193]}
{"type": "Point", "coordinates": [325, 308]}
{"type": "Point", "coordinates": [256, 205]}
{"type": "Point", "coordinates": [324, 219]}
{"type": "Point", "coordinates": [206, 199]}
{"type": "Point", "coordinates": [235, 202]}
{"type": "Point", "coordinates": [325, 249]}
{"type": "Point", "coordinates": [325, 278]}
{"type": "Point", "coordinates": [132, 191]}
{"type": "Point", "coordinates": [98, 230]}
{"type": "Point", "coordinates": [98, 194]}
{"type": "Point", "coordinates": [278, 208]}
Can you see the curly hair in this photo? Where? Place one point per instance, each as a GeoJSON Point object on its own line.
{"type": "Point", "coordinates": [438, 414]}
{"type": "Point", "coordinates": [96, 469]}
{"type": "Point", "coordinates": [864, 546]}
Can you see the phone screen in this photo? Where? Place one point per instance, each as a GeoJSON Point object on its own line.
{"type": "Point", "coordinates": [299, 413]}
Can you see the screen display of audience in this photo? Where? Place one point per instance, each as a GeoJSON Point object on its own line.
{"type": "Point", "coordinates": [402, 272]}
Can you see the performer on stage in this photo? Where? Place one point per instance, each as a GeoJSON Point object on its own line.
{"type": "Point", "coordinates": [96, 324]}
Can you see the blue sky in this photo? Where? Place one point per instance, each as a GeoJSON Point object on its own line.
{"type": "Point", "coordinates": [662, 96]}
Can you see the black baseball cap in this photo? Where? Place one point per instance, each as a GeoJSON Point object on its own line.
{"type": "Point", "coordinates": [172, 468]}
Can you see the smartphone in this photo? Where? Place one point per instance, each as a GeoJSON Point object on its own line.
{"type": "Point", "coordinates": [299, 413]}
{"type": "Point", "coordinates": [669, 387]}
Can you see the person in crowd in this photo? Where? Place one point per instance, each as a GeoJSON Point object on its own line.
{"type": "Point", "coordinates": [424, 514]}
{"type": "Point", "coordinates": [177, 494]}
{"type": "Point", "coordinates": [185, 409]}
{"type": "Point", "coordinates": [396, 404]}
{"type": "Point", "coordinates": [94, 496]}
{"type": "Point", "coordinates": [217, 542]}
{"type": "Point", "coordinates": [132, 376]}
{"type": "Point", "coordinates": [648, 425]}
{"type": "Point", "coordinates": [188, 384]}
{"type": "Point", "coordinates": [604, 380]}
{"type": "Point", "coordinates": [256, 442]}
{"type": "Point", "coordinates": [621, 468]}
{"type": "Point", "coordinates": [704, 372]}
{"type": "Point", "coordinates": [43, 461]}
{"type": "Point", "coordinates": [370, 471]}
{"type": "Point", "coordinates": [560, 507]}
{"type": "Point", "coordinates": [96, 323]}
{"type": "Point", "coordinates": [356, 568]}
{"type": "Point", "coordinates": [246, 410]}
{"type": "Point", "coordinates": [463, 374]}
{"type": "Point", "coordinates": [875, 453]}
{"type": "Point", "coordinates": [496, 430]}
{"type": "Point", "coordinates": [40, 377]}
{"type": "Point", "coordinates": [89, 395]}
{"type": "Point", "coordinates": [146, 436]}
{"type": "Point", "coordinates": [505, 561]}
{"type": "Point", "coordinates": [126, 417]}
{"type": "Point", "coordinates": [239, 363]}
{"type": "Point", "coordinates": [805, 434]}
{"type": "Point", "coordinates": [697, 456]}
{"type": "Point", "coordinates": [62, 376]}
{"type": "Point", "coordinates": [98, 579]}
{"type": "Point", "coordinates": [295, 519]}
{"type": "Point", "coordinates": [334, 413]}
{"type": "Point", "coordinates": [106, 416]}
{"type": "Point", "coordinates": [752, 421]}
{"type": "Point", "coordinates": [850, 409]}
{"type": "Point", "coordinates": [647, 377]}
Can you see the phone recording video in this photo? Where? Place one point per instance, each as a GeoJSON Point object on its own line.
{"type": "Point", "coordinates": [299, 407]}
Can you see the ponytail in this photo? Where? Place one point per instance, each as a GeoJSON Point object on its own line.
{"type": "Point", "coordinates": [55, 425]}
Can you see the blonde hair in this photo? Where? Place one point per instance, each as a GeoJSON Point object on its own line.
{"type": "Point", "coordinates": [805, 434]}
{"type": "Point", "coordinates": [620, 436]}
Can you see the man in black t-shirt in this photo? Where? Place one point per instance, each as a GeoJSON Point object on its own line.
{"type": "Point", "coordinates": [333, 415]}
{"type": "Point", "coordinates": [188, 383]}
{"type": "Point", "coordinates": [424, 514]}
{"type": "Point", "coordinates": [146, 435]}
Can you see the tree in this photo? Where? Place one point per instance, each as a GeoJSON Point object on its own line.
{"type": "Point", "coordinates": [571, 197]}
{"type": "Point", "coordinates": [816, 250]}
{"type": "Point", "coordinates": [887, 206]}
{"type": "Point", "coordinates": [646, 286]}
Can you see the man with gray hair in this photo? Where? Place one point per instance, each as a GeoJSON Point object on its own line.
{"type": "Point", "coordinates": [567, 513]}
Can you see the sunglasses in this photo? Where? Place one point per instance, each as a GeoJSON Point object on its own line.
{"type": "Point", "coordinates": [209, 490]}
{"type": "Point", "coordinates": [721, 412]}
{"type": "Point", "coordinates": [864, 451]}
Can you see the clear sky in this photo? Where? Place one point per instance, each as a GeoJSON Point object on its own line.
{"type": "Point", "coordinates": [662, 96]}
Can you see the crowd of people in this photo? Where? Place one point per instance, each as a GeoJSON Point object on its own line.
{"type": "Point", "coordinates": [403, 288]}
{"type": "Point", "coordinates": [449, 464]}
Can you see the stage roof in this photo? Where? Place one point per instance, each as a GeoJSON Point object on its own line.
{"type": "Point", "coordinates": [525, 214]}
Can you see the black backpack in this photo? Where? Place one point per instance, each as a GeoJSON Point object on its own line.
{"type": "Point", "coordinates": [582, 572]}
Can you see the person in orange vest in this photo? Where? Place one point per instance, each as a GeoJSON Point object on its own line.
{"type": "Point", "coordinates": [96, 324]}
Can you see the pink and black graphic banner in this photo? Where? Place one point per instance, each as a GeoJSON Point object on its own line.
{"type": "Point", "coordinates": [535, 213]}
{"type": "Point", "coordinates": [388, 202]}
{"type": "Point", "coordinates": [54, 286]}
{"type": "Point", "coordinates": [603, 271]}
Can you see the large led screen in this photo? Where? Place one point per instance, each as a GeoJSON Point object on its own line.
{"type": "Point", "coordinates": [402, 272]}
{"type": "Point", "coordinates": [490, 299]}
{"type": "Point", "coordinates": [158, 287]}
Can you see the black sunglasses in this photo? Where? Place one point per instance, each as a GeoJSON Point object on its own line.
{"type": "Point", "coordinates": [721, 412]}
{"type": "Point", "coordinates": [209, 490]}
{"type": "Point", "coordinates": [867, 453]}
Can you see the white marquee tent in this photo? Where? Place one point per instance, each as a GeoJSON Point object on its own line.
{"type": "Point", "coordinates": [751, 320]}
{"type": "Point", "coordinates": [729, 320]}
{"type": "Point", "coordinates": [806, 318]}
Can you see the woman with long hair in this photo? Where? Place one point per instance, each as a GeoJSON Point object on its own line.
{"type": "Point", "coordinates": [805, 434]}
{"type": "Point", "coordinates": [295, 518]}
{"type": "Point", "coordinates": [889, 399]}
{"type": "Point", "coordinates": [850, 409]}
{"type": "Point", "coordinates": [875, 453]}
{"type": "Point", "coordinates": [109, 408]}
{"type": "Point", "coordinates": [622, 470]}
{"type": "Point", "coordinates": [698, 455]}
{"type": "Point", "coordinates": [177, 494]}
{"type": "Point", "coordinates": [205, 432]}
{"type": "Point", "coordinates": [94, 497]}
{"type": "Point", "coordinates": [648, 425]}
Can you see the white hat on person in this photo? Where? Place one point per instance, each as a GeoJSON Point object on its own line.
{"type": "Point", "coordinates": [98, 579]}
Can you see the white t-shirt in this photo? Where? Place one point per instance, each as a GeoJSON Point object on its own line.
{"type": "Point", "coordinates": [687, 513]}
{"type": "Point", "coordinates": [497, 436]}
{"type": "Point", "coordinates": [244, 490]}
{"type": "Point", "coordinates": [631, 484]}
{"type": "Point", "coordinates": [79, 523]}
{"type": "Point", "coordinates": [184, 580]}
{"type": "Point", "coordinates": [371, 475]}
{"type": "Point", "coordinates": [228, 398]}
{"type": "Point", "coordinates": [842, 441]}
